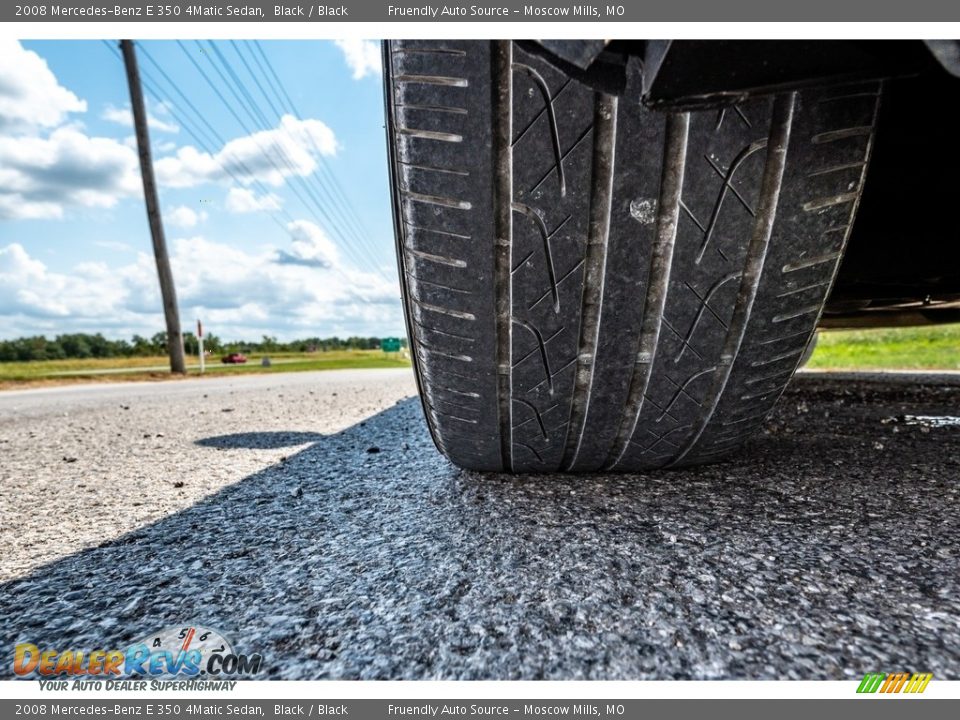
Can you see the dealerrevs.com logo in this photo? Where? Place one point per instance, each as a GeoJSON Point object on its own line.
{"type": "Point", "coordinates": [176, 652]}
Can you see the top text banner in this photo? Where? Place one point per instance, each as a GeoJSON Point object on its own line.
{"type": "Point", "coordinates": [483, 11]}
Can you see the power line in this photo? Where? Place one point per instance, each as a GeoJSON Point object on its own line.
{"type": "Point", "coordinates": [292, 104]}
{"type": "Point", "coordinates": [260, 87]}
{"type": "Point", "coordinates": [257, 183]}
{"type": "Point", "coordinates": [324, 164]}
{"type": "Point", "coordinates": [151, 87]}
{"type": "Point", "coordinates": [343, 215]}
{"type": "Point", "coordinates": [283, 155]}
{"type": "Point", "coordinates": [255, 113]}
{"type": "Point", "coordinates": [150, 83]}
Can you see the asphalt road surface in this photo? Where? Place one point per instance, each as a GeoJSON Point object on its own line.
{"type": "Point", "coordinates": [309, 518]}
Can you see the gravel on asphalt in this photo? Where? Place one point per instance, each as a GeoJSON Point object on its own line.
{"type": "Point", "coordinates": [309, 518]}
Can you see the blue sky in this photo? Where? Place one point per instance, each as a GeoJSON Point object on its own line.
{"type": "Point", "coordinates": [263, 241]}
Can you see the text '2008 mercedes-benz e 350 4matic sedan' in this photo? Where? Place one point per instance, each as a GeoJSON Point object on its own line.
{"type": "Point", "coordinates": [615, 255]}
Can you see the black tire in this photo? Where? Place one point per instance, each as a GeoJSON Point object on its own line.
{"type": "Point", "coordinates": [593, 285]}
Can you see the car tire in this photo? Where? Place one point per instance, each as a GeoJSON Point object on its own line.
{"type": "Point", "coordinates": [809, 349]}
{"type": "Point", "coordinates": [591, 284]}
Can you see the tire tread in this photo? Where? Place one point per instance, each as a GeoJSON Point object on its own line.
{"type": "Point", "coordinates": [591, 284]}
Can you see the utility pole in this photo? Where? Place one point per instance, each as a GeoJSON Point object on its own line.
{"type": "Point", "coordinates": [167, 290]}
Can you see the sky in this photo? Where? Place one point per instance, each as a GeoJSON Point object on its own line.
{"type": "Point", "coordinates": [275, 196]}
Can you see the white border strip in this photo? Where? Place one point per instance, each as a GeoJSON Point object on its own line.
{"type": "Point", "coordinates": [468, 30]}
{"type": "Point", "coordinates": [514, 689]}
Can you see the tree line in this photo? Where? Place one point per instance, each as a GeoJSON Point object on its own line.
{"type": "Point", "coordinates": [83, 346]}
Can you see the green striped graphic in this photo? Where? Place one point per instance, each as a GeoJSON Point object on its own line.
{"type": "Point", "coordinates": [871, 682]}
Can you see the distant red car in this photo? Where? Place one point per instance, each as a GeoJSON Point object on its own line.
{"type": "Point", "coordinates": [234, 359]}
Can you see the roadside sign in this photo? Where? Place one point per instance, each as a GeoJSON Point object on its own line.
{"type": "Point", "coordinates": [390, 345]}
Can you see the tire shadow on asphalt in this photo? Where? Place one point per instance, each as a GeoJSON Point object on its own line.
{"type": "Point", "coordinates": [366, 555]}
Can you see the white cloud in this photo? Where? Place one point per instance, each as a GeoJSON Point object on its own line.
{"type": "Point", "coordinates": [296, 287]}
{"type": "Point", "coordinates": [262, 156]}
{"type": "Point", "coordinates": [260, 292]}
{"type": "Point", "coordinates": [310, 247]}
{"type": "Point", "coordinates": [14, 262]}
{"type": "Point", "coordinates": [242, 200]}
{"type": "Point", "coordinates": [43, 174]}
{"type": "Point", "coordinates": [239, 293]}
{"type": "Point", "coordinates": [124, 116]}
{"type": "Point", "coordinates": [39, 177]}
{"type": "Point", "coordinates": [363, 56]}
{"type": "Point", "coordinates": [184, 217]}
{"type": "Point", "coordinates": [30, 96]}
{"type": "Point", "coordinates": [28, 288]}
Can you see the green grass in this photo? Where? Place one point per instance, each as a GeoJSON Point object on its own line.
{"type": "Point", "coordinates": [920, 348]}
{"type": "Point", "coordinates": [933, 347]}
{"type": "Point", "coordinates": [53, 371]}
